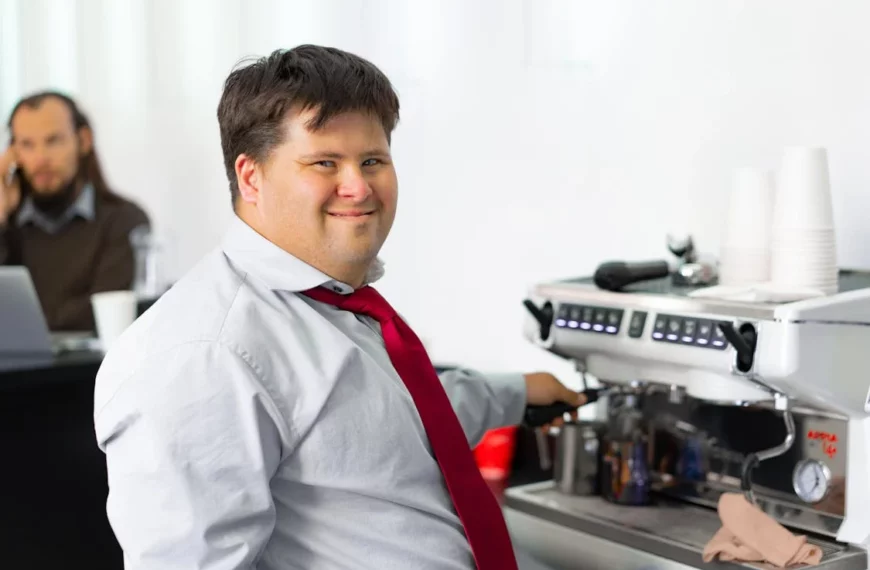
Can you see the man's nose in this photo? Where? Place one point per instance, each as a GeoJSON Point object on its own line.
{"type": "Point", "coordinates": [41, 158]}
{"type": "Point", "coordinates": [354, 186]}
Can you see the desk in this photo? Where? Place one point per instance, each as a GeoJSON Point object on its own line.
{"type": "Point", "coordinates": [31, 371]}
{"type": "Point", "coordinates": [53, 483]}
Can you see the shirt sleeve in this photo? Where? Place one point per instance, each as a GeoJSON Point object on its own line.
{"type": "Point", "coordinates": [191, 442]}
{"type": "Point", "coordinates": [484, 402]}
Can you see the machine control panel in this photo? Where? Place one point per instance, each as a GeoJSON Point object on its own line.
{"type": "Point", "coordinates": [588, 318]}
{"type": "Point", "coordinates": [688, 330]}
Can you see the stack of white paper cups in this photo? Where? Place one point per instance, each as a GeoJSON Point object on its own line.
{"type": "Point", "coordinates": [803, 244]}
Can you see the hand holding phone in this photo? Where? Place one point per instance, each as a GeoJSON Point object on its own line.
{"type": "Point", "coordinates": [10, 186]}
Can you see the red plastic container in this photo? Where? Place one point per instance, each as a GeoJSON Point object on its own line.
{"type": "Point", "coordinates": [495, 454]}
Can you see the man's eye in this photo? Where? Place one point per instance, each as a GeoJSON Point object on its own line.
{"type": "Point", "coordinates": [325, 163]}
{"type": "Point", "coordinates": [371, 162]}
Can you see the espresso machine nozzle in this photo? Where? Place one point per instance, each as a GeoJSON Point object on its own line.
{"type": "Point", "coordinates": [781, 404]}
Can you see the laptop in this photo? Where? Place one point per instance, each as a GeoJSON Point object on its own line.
{"type": "Point", "coordinates": [23, 328]}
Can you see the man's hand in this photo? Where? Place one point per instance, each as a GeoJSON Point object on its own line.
{"type": "Point", "coordinates": [10, 191]}
{"type": "Point", "coordinates": [543, 389]}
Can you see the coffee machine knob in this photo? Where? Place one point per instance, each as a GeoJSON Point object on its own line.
{"type": "Point", "coordinates": [543, 314]}
{"type": "Point", "coordinates": [744, 341]}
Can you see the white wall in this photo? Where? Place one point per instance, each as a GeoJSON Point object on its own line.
{"type": "Point", "coordinates": [538, 137]}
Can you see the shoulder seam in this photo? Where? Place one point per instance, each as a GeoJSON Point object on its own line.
{"type": "Point", "coordinates": [258, 371]}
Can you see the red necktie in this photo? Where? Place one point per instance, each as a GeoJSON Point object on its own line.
{"type": "Point", "coordinates": [474, 502]}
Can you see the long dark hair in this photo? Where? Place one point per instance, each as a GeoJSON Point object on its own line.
{"type": "Point", "coordinates": [89, 165]}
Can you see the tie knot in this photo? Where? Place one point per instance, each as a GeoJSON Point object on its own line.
{"type": "Point", "coordinates": [364, 301]}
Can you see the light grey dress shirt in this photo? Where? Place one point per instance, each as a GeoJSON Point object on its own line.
{"type": "Point", "coordinates": [248, 426]}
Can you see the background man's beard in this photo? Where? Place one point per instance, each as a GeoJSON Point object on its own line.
{"type": "Point", "coordinates": [57, 202]}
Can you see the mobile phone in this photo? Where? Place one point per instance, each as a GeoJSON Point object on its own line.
{"type": "Point", "coordinates": [12, 175]}
{"type": "Point", "coordinates": [9, 174]}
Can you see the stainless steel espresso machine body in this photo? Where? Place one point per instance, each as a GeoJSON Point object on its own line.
{"type": "Point", "coordinates": [770, 400]}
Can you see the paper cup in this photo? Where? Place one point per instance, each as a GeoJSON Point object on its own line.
{"type": "Point", "coordinates": [743, 266]}
{"type": "Point", "coordinates": [750, 209]}
{"type": "Point", "coordinates": [803, 198]}
{"type": "Point", "coordinates": [114, 311]}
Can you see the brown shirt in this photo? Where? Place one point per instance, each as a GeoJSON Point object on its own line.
{"type": "Point", "coordinates": [86, 255]}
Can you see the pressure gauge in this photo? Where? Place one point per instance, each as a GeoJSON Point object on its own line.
{"type": "Point", "coordinates": [811, 480]}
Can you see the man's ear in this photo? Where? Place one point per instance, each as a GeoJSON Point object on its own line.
{"type": "Point", "coordinates": [250, 177]}
{"type": "Point", "coordinates": [86, 141]}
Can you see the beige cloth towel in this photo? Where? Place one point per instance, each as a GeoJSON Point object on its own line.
{"type": "Point", "coordinates": [750, 535]}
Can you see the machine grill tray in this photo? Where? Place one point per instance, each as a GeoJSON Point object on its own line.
{"type": "Point", "coordinates": [670, 522]}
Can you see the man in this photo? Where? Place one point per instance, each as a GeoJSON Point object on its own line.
{"type": "Point", "coordinates": [57, 215]}
{"type": "Point", "coordinates": [250, 423]}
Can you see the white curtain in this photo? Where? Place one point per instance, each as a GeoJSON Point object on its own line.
{"type": "Point", "coordinates": [149, 73]}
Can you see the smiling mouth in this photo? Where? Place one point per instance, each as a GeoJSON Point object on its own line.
{"type": "Point", "coordinates": [352, 215]}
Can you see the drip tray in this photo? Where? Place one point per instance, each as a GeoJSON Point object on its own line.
{"type": "Point", "coordinates": [669, 528]}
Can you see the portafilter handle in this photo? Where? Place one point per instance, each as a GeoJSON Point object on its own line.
{"type": "Point", "coordinates": [537, 416]}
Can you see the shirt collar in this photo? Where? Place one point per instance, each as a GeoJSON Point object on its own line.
{"type": "Point", "coordinates": [83, 206]}
{"type": "Point", "coordinates": [278, 269]}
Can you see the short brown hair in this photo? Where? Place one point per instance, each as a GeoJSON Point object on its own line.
{"type": "Point", "coordinates": [257, 98]}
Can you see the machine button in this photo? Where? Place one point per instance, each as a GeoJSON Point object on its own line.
{"type": "Point", "coordinates": [659, 327]}
{"type": "Point", "coordinates": [574, 316]}
{"type": "Point", "coordinates": [562, 316]}
{"type": "Point", "coordinates": [587, 317]}
{"type": "Point", "coordinates": [636, 324]}
{"type": "Point", "coordinates": [614, 319]}
{"type": "Point", "coordinates": [705, 330]}
{"type": "Point", "coordinates": [690, 329]}
{"type": "Point", "coordinates": [717, 339]}
{"type": "Point", "coordinates": [600, 319]}
{"type": "Point", "coordinates": [675, 326]}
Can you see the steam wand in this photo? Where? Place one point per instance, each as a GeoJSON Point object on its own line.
{"type": "Point", "coordinates": [753, 459]}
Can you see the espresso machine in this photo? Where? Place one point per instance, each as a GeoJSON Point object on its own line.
{"type": "Point", "coordinates": [771, 400]}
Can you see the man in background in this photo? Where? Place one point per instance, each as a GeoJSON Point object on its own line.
{"type": "Point", "coordinates": [58, 217]}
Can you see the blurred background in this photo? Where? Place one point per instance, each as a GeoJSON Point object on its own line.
{"type": "Point", "coordinates": [537, 138]}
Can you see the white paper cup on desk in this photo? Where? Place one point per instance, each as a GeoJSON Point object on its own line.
{"type": "Point", "coordinates": [745, 254]}
{"type": "Point", "coordinates": [114, 311]}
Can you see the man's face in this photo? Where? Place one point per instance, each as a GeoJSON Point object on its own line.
{"type": "Point", "coordinates": [328, 197]}
{"type": "Point", "coordinates": [47, 147]}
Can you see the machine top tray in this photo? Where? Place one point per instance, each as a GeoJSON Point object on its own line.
{"type": "Point", "coordinates": [850, 280]}
{"type": "Point", "coordinates": [661, 295]}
